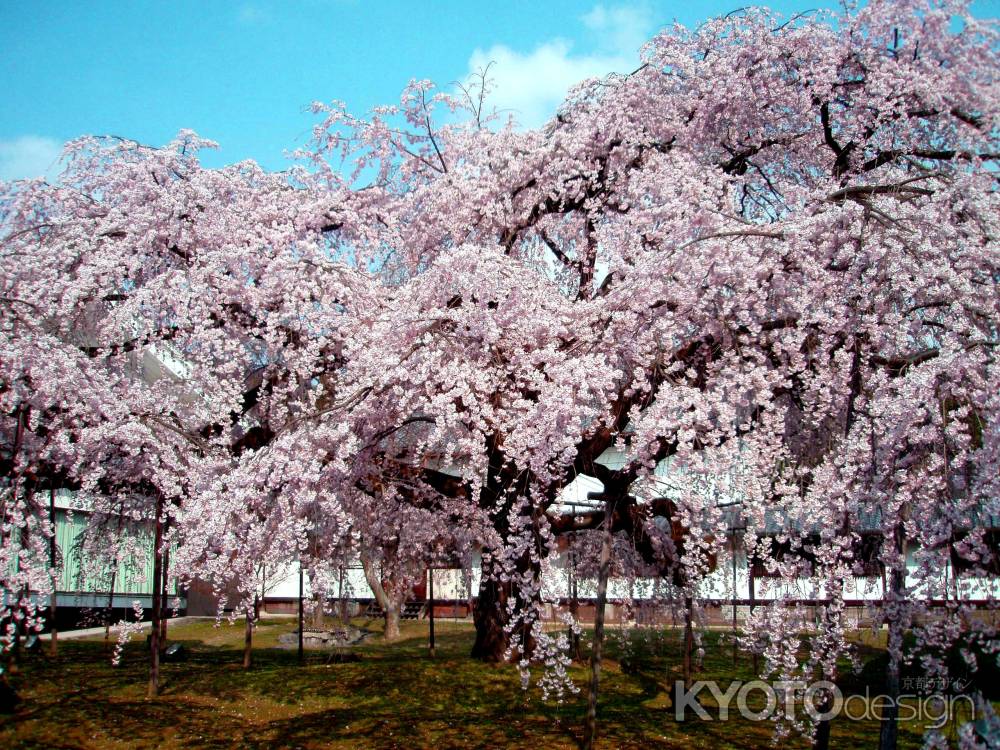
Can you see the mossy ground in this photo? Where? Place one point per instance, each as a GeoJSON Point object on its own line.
{"type": "Point", "coordinates": [394, 696]}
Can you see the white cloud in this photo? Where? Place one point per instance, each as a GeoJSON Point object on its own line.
{"type": "Point", "coordinates": [624, 28]}
{"type": "Point", "coordinates": [29, 156]}
{"type": "Point", "coordinates": [533, 84]}
{"type": "Point", "coordinates": [250, 14]}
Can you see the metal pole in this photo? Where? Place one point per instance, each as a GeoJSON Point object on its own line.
{"type": "Point", "coordinates": [430, 581]}
{"type": "Point", "coordinates": [301, 596]}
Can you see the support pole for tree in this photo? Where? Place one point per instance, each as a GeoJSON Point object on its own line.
{"type": "Point", "coordinates": [735, 629]}
{"type": "Point", "coordinates": [301, 596]}
{"type": "Point", "coordinates": [574, 602]}
{"type": "Point", "coordinates": [111, 604]}
{"type": "Point", "coordinates": [248, 639]}
{"type": "Point", "coordinates": [751, 592]}
{"type": "Point", "coordinates": [430, 584]}
{"type": "Point", "coordinates": [822, 739]}
{"type": "Point", "coordinates": [111, 586]}
{"type": "Point", "coordinates": [53, 629]}
{"type": "Point", "coordinates": [688, 639]}
{"type": "Point", "coordinates": [889, 729]}
{"type": "Point", "coordinates": [154, 637]}
{"type": "Point", "coordinates": [343, 601]}
{"type": "Point", "coordinates": [590, 730]}
{"type": "Point", "coordinates": [164, 593]}
{"type": "Point", "coordinates": [22, 412]}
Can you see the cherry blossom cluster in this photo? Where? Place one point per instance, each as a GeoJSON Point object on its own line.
{"type": "Point", "coordinates": [749, 287]}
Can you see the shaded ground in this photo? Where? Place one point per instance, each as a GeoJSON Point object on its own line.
{"type": "Point", "coordinates": [394, 696]}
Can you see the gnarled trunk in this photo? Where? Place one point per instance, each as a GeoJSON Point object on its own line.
{"type": "Point", "coordinates": [492, 617]}
{"type": "Point", "coordinates": [318, 620]}
{"type": "Point", "coordinates": [390, 595]}
{"type": "Point", "coordinates": [392, 618]}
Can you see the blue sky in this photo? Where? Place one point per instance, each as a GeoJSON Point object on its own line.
{"type": "Point", "coordinates": [241, 72]}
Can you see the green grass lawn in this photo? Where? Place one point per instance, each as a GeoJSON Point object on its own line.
{"type": "Point", "coordinates": [393, 696]}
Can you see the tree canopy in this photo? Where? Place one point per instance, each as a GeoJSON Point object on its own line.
{"type": "Point", "coordinates": [767, 255]}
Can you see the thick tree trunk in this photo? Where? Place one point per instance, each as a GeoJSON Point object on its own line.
{"type": "Point", "coordinates": [154, 638]}
{"type": "Point", "coordinates": [490, 617]}
{"type": "Point", "coordinates": [318, 621]}
{"type": "Point", "coordinates": [392, 618]}
{"type": "Point", "coordinates": [390, 601]}
{"type": "Point", "coordinates": [590, 730]}
{"type": "Point", "coordinates": [492, 620]}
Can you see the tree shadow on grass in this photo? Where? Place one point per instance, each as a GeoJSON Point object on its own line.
{"type": "Point", "coordinates": [396, 695]}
